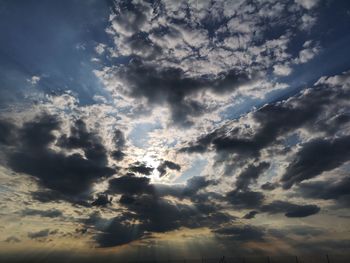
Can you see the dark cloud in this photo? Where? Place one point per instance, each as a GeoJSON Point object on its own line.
{"type": "Point", "coordinates": [269, 186]}
{"type": "Point", "coordinates": [69, 175]}
{"type": "Point", "coordinates": [241, 233]}
{"type": "Point", "coordinates": [330, 189]}
{"type": "Point", "coordinates": [167, 165]}
{"type": "Point", "coordinates": [250, 215]}
{"type": "Point", "coordinates": [274, 120]}
{"type": "Point", "coordinates": [42, 233]}
{"type": "Point", "coordinates": [12, 239]}
{"type": "Point", "coordinates": [141, 168]}
{"type": "Point", "coordinates": [306, 110]}
{"type": "Point", "coordinates": [102, 200]}
{"type": "Point", "coordinates": [171, 86]}
{"type": "Point", "coordinates": [250, 175]}
{"type": "Point", "coordinates": [118, 232]}
{"type": "Point", "coordinates": [303, 211]}
{"type": "Point", "coordinates": [147, 213]}
{"type": "Point", "coordinates": [195, 184]}
{"type": "Point", "coordinates": [290, 209]}
{"type": "Point", "coordinates": [130, 184]}
{"type": "Point", "coordinates": [161, 215]}
{"type": "Point", "coordinates": [119, 141]}
{"type": "Point", "coordinates": [146, 203]}
{"type": "Point", "coordinates": [245, 199]}
{"type": "Point", "coordinates": [51, 213]}
{"type": "Point", "coordinates": [6, 132]}
{"type": "Point", "coordinates": [117, 155]}
{"type": "Point", "coordinates": [46, 196]}
{"type": "Point", "coordinates": [315, 157]}
{"type": "Point", "coordinates": [89, 142]}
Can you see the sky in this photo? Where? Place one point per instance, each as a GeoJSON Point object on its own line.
{"type": "Point", "coordinates": [163, 129]}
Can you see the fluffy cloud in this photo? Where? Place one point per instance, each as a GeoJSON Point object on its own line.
{"type": "Point", "coordinates": [173, 53]}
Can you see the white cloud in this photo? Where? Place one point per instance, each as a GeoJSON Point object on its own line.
{"type": "Point", "coordinates": [307, 4]}
{"type": "Point", "coordinates": [307, 53]}
{"type": "Point", "coordinates": [282, 70]}
{"type": "Point", "coordinates": [100, 48]}
{"type": "Point", "coordinates": [307, 22]}
{"type": "Point", "coordinates": [34, 80]}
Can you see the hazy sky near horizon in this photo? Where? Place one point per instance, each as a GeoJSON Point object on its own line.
{"type": "Point", "coordinates": [162, 129]}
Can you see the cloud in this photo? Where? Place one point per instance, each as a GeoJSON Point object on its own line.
{"type": "Point", "coordinates": [274, 120]}
{"type": "Point", "coordinates": [148, 213]}
{"type": "Point", "coordinates": [141, 168]}
{"type": "Point", "coordinates": [308, 4]}
{"type": "Point", "coordinates": [241, 233]}
{"type": "Point", "coordinates": [269, 186]}
{"type": "Point", "coordinates": [204, 63]}
{"type": "Point", "coordinates": [250, 215]}
{"type": "Point", "coordinates": [51, 213]}
{"type": "Point", "coordinates": [161, 215]}
{"type": "Point", "coordinates": [102, 200]}
{"type": "Point", "coordinates": [119, 141]}
{"type": "Point", "coordinates": [250, 175]}
{"type": "Point", "coordinates": [130, 184]}
{"type": "Point", "coordinates": [304, 231]}
{"type": "Point", "coordinates": [245, 199]}
{"type": "Point", "coordinates": [290, 209]}
{"type": "Point", "coordinates": [317, 118]}
{"type": "Point", "coordinates": [282, 70]}
{"type": "Point", "coordinates": [42, 233]}
{"type": "Point", "coordinates": [315, 157]}
{"type": "Point", "coordinates": [183, 56]}
{"type": "Point", "coordinates": [34, 80]}
{"type": "Point", "coordinates": [69, 175]}
{"type": "Point", "coordinates": [167, 165]}
{"type": "Point", "coordinates": [90, 143]}
{"type": "Point", "coordinates": [310, 49]}
{"type": "Point", "coordinates": [12, 239]}
{"type": "Point", "coordinates": [6, 132]}
{"type": "Point", "coordinates": [116, 232]}
{"type": "Point", "coordinates": [335, 189]}
{"type": "Point", "coordinates": [148, 205]}
{"type": "Point", "coordinates": [171, 86]}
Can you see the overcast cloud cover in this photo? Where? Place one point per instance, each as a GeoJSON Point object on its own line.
{"type": "Point", "coordinates": [159, 128]}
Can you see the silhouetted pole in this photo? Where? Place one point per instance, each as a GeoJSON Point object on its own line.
{"type": "Point", "coordinates": [243, 260]}
{"type": "Point", "coordinates": [328, 261]}
{"type": "Point", "coordinates": [296, 259]}
{"type": "Point", "coordinates": [268, 259]}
